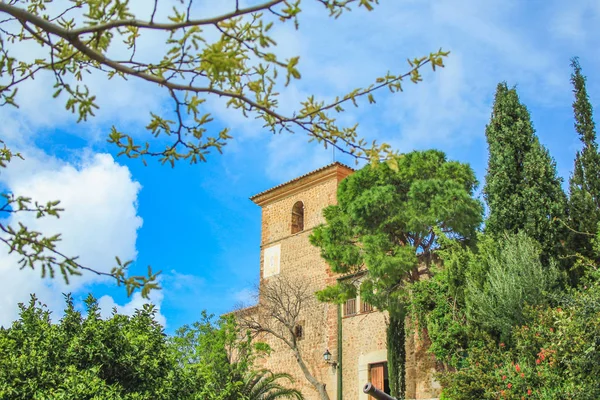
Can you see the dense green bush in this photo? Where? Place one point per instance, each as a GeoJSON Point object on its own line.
{"type": "Point", "coordinates": [554, 356]}
{"type": "Point", "coordinates": [515, 277]}
{"type": "Point", "coordinates": [528, 339]}
{"type": "Point", "coordinates": [85, 357]}
{"type": "Point", "coordinates": [482, 289]}
{"type": "Point", "coordinates": [129, 358]}
{"type": "Point", "coordinates": [444, 320]}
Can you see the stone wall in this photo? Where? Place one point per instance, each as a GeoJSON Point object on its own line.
{"type": "Point", "coordinates": [363, 343]}
{"type": "Point", "coordinates": [300, 261]}
{"type": "Point", "coordinates": [420, 367]}
{"type": "Point", "coordinates": [364, 335]}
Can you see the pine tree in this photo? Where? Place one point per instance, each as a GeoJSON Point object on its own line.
{"type": "Point", "coordinates": [522, 189]}
{"type": "Point", "coordinates": [584, 184]}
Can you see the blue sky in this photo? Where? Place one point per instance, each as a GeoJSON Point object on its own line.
{"type": "Point", "coordinates": [196, 223]}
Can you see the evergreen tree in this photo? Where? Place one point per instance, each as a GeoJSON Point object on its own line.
{"type": "Point", "coordinates": [522, 189]}
{"type": "Point", "coordinates": [396, 355]}
{"type": "Point", "coordinates": [388, 225]}
{"type": "Point", "coordinates": [584, 185]}
{"type": "Point", "coordinates": [389, 221]}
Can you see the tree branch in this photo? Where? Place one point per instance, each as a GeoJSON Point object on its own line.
{"type": "Point", "coordinates": [48, 26]}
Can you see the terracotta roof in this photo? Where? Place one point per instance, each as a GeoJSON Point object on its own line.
{"type": "Point", "coordinates": [301, 177]}
{"type": "Point", "coordinates": [241, 310]}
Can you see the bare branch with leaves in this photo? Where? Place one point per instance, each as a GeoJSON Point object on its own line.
{"type": "Point", "coordinates": [232, 56]}
{"type": "Point", "coordinates": [282, 304]}
{"type": "Point", "coordinates": [238, 66]}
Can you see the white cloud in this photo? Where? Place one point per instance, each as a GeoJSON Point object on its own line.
{"type": "Point", "coordinates": [523, 43]}
{"type": "Point", "coordinates": [442, 112]}
{"type": "Point", "coordinates": [179, 282]}
{"type": "Point", "coordinates": [489, 42]}
{"type": "Point", "coordinates": [568, 21]}
{"type": "Point", "coordinates": [100, 222]}
{"type": "Point", "coordinates": [107, 304]}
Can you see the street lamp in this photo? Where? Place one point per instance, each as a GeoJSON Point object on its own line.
{"type": "Point", "coordinates": [327, 358]}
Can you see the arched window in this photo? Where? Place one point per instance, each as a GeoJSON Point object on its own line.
{"type": "Point", "coordinates": [298, 217]}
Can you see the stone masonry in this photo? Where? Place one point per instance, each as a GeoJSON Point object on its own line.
{"type": "Point", "coordinates": [290, 255]}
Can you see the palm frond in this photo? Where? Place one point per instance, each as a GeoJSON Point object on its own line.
{"type": "Point", "coordinates": [266, 385]}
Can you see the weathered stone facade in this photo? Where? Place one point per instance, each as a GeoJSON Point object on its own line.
{"type": "Point", "coordinates": [290, 255]}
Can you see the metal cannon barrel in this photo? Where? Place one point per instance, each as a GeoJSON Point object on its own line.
{"type": "Point", "coordinates": [376, 393]}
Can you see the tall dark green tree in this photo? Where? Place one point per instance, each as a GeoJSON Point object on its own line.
{"type": "Point", "coordinates": [584, 184]}
{"type": "Point", "coordinates": [387, 225]}
{"type": "Point", "coordinates": [522, 189]}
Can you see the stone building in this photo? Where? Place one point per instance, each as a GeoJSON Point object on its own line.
{"type": "Point", "coordinates": [353, 333]}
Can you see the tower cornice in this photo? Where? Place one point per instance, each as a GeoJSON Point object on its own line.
{"type": "Point", "coordinates": [335, 170]}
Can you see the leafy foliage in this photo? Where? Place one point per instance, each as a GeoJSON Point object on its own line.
{"type": "Point", "coordinates": [264, 385]}
{"type": "Point", "coordinates": [390, 216]}
{"type": "Point", "coordinates": [443, 318]}
{"type": "Point", "coordinates": [196, 58]}
{"type": "Point", "coordinates": [522, 189]}
{"type": "Point", "coordinates": [554, 356]}
{"type": "Point", "coordinates": [217, 361]}
{"type": "Point", "coordinates": [516, 277]}
{"type": "Point", "coordinates": [396, 355]}
{"type": "Point", "coordinates": [389, 219]}
{"type": "Point", "coordinates": [526, 338]}
{"type": "Point", "coordinates": [232, 56]}
{"type": "Point", "coordinates": [87, 357]}
{"type": "Point", "coordinates": [204, 353]}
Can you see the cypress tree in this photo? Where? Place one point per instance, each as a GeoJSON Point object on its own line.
{"type": "Point", "coordinates": [522, 190]}
{"type": "Point", "coordinates": [396, 354]}
{"type": "Point", "coordinates": [584, 184]}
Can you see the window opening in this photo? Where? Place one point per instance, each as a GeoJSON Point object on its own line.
{"type": "Point", "coordinates": [298, 331]}
{"type": "Point", "coordinates": [365, 307]}
{"type": "Point", "coordinates": [298, 217]}
{"type": "Point", "coordinates": [350, 307]}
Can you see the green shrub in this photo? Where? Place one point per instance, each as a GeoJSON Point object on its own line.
{"type": "Point", "coordinates": [516, 277]}
{"type": "Point", "coordinates": [554, 355]}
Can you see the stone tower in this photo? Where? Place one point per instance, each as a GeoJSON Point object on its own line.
{"type": "Point", "coordinates": [290, 212]}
